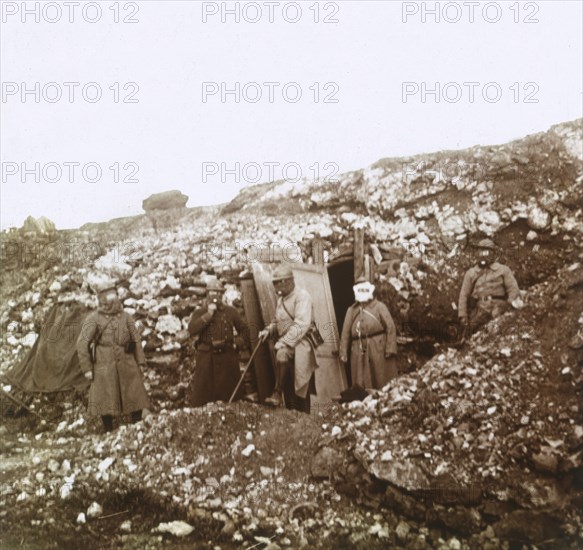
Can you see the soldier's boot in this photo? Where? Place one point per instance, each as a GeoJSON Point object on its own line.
{"type": "Point", "coordinates": [274, 399]}
{"type": "Point", "coordinates": [107, 420]}
{"type": "Point", "coordinates": [282, 368]}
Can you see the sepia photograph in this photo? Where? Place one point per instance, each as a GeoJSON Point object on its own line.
{"type": "Point", "coordinates": [291, 274]}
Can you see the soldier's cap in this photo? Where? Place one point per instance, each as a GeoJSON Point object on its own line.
{"type": "Point", "coordinates": [486, 243]}
{"type": "Point", "coordinates": [214, 284]}
{"type": "Point", "coordinates": [282, 272]}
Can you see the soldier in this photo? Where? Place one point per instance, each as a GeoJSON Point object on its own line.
{"type": "Point", "coordinates": [370, 336]}
{"type": "Point", "coordinates": [295, 357]}
{"type": "Point", "coordinates": [217, 359]}
{"type": "Point", "coordinates": [488, 289]}
{"type": "Point", "coordinates": [117, 387]}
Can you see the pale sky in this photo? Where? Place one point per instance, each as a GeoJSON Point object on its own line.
{"type": "Point", "coordinates": [170, 133]}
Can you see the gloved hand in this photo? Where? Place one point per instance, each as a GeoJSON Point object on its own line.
{"type": "Point", "coordinates": [89, 375]}
{"type": "Point", "coordinates": [280, 345]}
{"type": "Point", "coordinates": [264, 334]}
{"type": "Point", "coordinates": [517, 303]}
{"type": "Point", "coordinates": [344, 359]}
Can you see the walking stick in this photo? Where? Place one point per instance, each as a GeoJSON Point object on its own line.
{"type": "Point", "coordinates": [261, 340]}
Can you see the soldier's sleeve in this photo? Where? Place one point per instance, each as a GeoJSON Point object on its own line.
{"type": "Point", "coordinates": [296, 330]}
{"type": "Point", "coordinates": [511, 285]}
{"type": "Point", "coordinates": [135, 337]}
{"type": "Point", "coordinates": [272, 329]}
{"type": "Point", "coordinates": [345, 336]}
{"type": "Point", "coordinates": [390, 328]}
{"type": "Point", "coordinates": [465, 294]}
{"type": "Point", "coordinates": [87, 334]}
{"type": "Point", "coordinates": [200, 319]}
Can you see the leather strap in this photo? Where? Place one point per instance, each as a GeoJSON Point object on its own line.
{"type": "Point", "coordinates": [365, 336]}
{"type": "Point", "coordinates": [100, 333]}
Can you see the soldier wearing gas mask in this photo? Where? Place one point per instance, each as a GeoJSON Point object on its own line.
{"type": "Point", "coordinates": [217, 358]}
{"type": "Point", "coordinates": [370, 337]}
{"type": "Point", "coordinates": [488, 289]}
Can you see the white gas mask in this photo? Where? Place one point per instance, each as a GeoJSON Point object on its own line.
{"type": "Point", "coordinates": [363, 292]}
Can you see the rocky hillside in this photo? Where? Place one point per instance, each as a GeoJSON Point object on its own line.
{"type": "Point", "coordinates": [477, 447]}
{"type": "Point", "coordinates": [418, 214]}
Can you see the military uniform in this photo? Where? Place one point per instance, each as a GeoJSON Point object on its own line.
{"type": "Point", "coordinates": [117, 386]}
{"type": "Point", "coordinates": [293, 317]}
{"type": "Point", "coordinates": [491, 288]}
{"type": "Point", "coordinates": [370, 335]}
{"type": "Point", "coordinates": [217, 359]}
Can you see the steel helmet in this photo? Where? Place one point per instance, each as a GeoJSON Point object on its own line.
{"type": "Point", "coordinates": [214, 284]}
{"type": "Point", "coordinates": [486, 243]}
{"type": "Point", "coordinates": [281, 272]}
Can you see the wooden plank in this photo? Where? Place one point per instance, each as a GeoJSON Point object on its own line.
{"type": "Point", "coordinates": [318, 251]}
{"type": "Point", "coordinates": [262, 363]}
{"type": "Point", "coordinates": [369, 268]}
{"type": "Point", "coordinates": [358, 252]}
{"type": "Point", "coordinates": [372, 269]}
{"type": "Point", "coordinates": [367, 272]}
{"type": "Point", "coordinates": [262, 273]}
{"type": "Point", "coordinates": [330, 375]}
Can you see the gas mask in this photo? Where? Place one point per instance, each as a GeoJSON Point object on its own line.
{"type": "Point", "coordinates": [486, 257]}
{"type": "Point", "coordinates": [363, 292]}
{"type": "Point", "coordinates": [283, 286]}
{"type": "Point", "coordinates": [215, 297]}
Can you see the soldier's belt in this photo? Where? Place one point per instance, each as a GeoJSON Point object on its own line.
{"type": "Point", "coordinates": [110, 345]}
{"type": "Point", "coordinates": [215, 349]}
{"type": "Point", "coordinates": [365, 336]}
{"type": "Point", "coordinates": [490, 298]}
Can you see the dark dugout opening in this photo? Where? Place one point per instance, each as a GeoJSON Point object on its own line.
{"type": "Point", "coordinates": [412, 354]}
{"type": "Point", "coordinates": [341, 276]}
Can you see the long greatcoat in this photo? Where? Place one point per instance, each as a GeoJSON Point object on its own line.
{"type": "Point", "coordinates": [369, 335]}
{"type": "Point", "coordinates": [291, 327]}
{"type": "Point", "coordinates": [217, 372]}
{"type": "Point", "coordinates": [117, 386]}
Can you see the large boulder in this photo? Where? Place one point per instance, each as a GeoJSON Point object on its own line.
{"type": "Point", "coordinates": [165, 201]}
{"type": "Point", "coordinates": [40, 226]}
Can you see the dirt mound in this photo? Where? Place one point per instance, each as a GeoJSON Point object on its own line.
{"type": "Point", "coordinates": [240, 474]}
{"type": "Point", "coordinates": [492, 434]}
